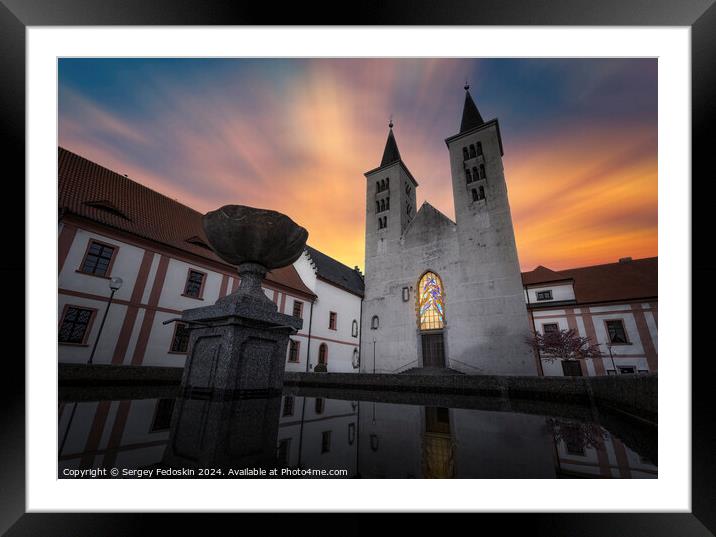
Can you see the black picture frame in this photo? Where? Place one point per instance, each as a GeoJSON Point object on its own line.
{"type": "Point", "coordinates": [699, 15]}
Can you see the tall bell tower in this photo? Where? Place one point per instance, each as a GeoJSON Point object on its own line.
{"type": "Point", "coordinates": [492, 293]}
{"type": "Point", "coordinates": [390, 200]}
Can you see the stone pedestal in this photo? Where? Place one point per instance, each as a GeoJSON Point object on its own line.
{"type": "Point", "coordinates": [222, 435]}
{"type": "Point", "coordinates": [239, 344]}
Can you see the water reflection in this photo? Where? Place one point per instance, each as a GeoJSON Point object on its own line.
{"type": "Point", "coordinates": [305, 436]}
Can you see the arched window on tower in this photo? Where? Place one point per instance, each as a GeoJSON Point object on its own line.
{"type": "Point", "coordinates": [465, 154]}
{"type": "Point", "coordinates": [377, 186]}
{"type": "Point", "coordinates": [374, 323]}
{"type": "Point", "coordinates": [483, 175]}
{"type": "Point", "coordinates": [323, 354]}
{"type": "Point", "coordinates": [479, 148]}
{"type": "Point", "coordinates": [468, 176]}
{"type": "Point", "coordinates": [387, 203]}
{"type": "Point", "coordinates": [431, 305]}
{"type": "Point", "coordinates": [354, 328]}
{"type": "Point", "coordinates": [382, 205]}
{"type": "Point", "coordinates": [377, 206]}
{"type": "Point", "coordinates": [387, 182]}
{"type": "Point", "coordinates": [475, 175]}
{"type": "Point", "coordinates": [385, 221]}
{"type": "Point", "coordinates": [472, 151]}
{"type": "Point", "coordinates": [474, 194]}
{"type": "Point", "coordinates": [382, 185]}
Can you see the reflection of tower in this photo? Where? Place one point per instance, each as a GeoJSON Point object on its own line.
{"type": "Point", "coordinates": [240, 433]}
{"type": "Point", "coordinates": [438, 444]}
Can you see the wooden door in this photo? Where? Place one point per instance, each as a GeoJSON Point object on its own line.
{"type": "Point", "coordinates": [433, 350]}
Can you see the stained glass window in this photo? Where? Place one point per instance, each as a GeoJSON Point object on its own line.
{"type": "Point", "coordinates": [431, 310]}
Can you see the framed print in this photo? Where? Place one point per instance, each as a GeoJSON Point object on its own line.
{"type": "Point", "coordinates": [275, 294]}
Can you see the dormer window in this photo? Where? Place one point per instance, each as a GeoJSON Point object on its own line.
{"type": "Point", "coordinates": [107, 207]}
{"type": "Point", "coordinates": [544, 295]}
{"type": "Point", "coordinates": [198, 241]}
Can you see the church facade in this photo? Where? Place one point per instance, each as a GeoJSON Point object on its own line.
{"type": "Point", "coordinates": [439, 293]}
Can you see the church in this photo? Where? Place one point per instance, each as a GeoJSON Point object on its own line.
{"type": "Point", "coordinates": [438, 293]}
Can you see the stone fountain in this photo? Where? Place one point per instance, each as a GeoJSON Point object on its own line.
{"type": "Point", "coordinates": [239, 343]}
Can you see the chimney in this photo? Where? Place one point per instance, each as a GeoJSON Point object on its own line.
{"type": "Point", "coordinates": [625, 259]}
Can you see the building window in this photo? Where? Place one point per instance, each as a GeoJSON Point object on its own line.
{"type": "Point", "coordinates": [374, 323]}
{"type": "Point", "coordinates": [98, 259]}
{"type": "Point", "coordinates": [387, 203]}
{"type": "Point", "coordinates": [483, 175]}
{"type": "Point", "coordinates": [356, 359]}
{"type": "Point", "coordinates": [287, 406]}
{"type": "Point", "coordinates": [465, 154]}
{"type": "Point", "coordinates": [323, 354]}
{"type": "Point", "coordinates": [627, 370]}
{"type": "Point", "coordinates": [473, 154]}
{"type": "Point", "coordinates": [431, 308]}
{"type": "Point", "coordinates": [407, 188]}
{"type": "Point", "coordinates": [475, 175]}
{"type": "Point", "coordinates": [162, 415]}
{"type": "Point", "coordinates": [408, 209]}
{"type": "Point", "coordinates": [468, 176]}
{"type": "Point", "coordinates": [643, 371]}
{"type": "Point", "coordinates": [180, 341]}
{"type": "Point", "coordinates": [478, 193]}
{"type": "Point", "coordinates": [479, 148]}
{"type": "Point", "coordinates": [326, 442]}
{"type": "Point", "coordinates": [406, 294]}
{"type": "Point", "coordinates": [571, 368]}
{"type": "Point", "coordinates": [544, 295]}
{"type": "Point", "coordinates": [354, 328]}
{"type": "Point", "coordinates": [75, 324]}
{"type": "Point", "coordinates": [616, 332]}
{"type": "Point", "coordinates": [194, 284]}
{"type": "Point", "coordinates": [282, 451]}
{"type": "Point", "coordinates": [293, 350]}
{"type": "Point", "coordinates": [332, 319]}
{"type": "Point", "coordinates": [320, 405]}
{"type": "Point", "coordinates": [551, 328]}
{"type": "Point", "coordinates": [351, 433]}
{"type": "Point", "coordinates": [298, 309]}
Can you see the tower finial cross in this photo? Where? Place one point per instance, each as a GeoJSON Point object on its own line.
{"type": "Point", "coordinates": [467, 86]}
{"type": "Point", "coordinates": [390, 122]}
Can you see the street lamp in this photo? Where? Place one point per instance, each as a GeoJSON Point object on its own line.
{"type": "Point", "coordinates": [609, 346]}
{"type": "Point", "coordinates": [114, 285]}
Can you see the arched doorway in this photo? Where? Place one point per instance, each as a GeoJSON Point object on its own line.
{"type": "Point", "coordinates": [431, 319]}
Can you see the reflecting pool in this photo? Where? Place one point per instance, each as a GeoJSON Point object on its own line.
{"type": "Point", "coordinates": [336, 434]}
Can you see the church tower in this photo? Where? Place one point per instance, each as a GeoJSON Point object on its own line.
{"type": "Point", "coordinates": [492, 289]}
{"type": "Point", "coordinates": [390, 202]}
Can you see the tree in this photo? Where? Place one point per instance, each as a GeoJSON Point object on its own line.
{"type": "Point", "coordinates": [563, 345]}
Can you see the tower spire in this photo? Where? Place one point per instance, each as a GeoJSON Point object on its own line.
{"type": "Point", "coordinates": [471, 117]}
{"type": "Point", "coordinates": [390, 153]}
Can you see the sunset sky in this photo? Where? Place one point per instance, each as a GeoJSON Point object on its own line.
{"type": "Point", "coordinates": [579, 135]}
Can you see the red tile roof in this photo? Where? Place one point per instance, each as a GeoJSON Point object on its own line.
{"type": "Point", "coordinates": [630, 280]}
{"type": "Point", "coordinates": [91, 191]}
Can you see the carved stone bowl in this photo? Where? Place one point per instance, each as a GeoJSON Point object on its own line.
{"type": "Point", "coordinates": [240, 234]}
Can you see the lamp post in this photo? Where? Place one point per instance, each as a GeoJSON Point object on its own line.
{"type": "Point", "coordinates": [609, 346]}
{"type": "Point", "coordinates": [114, 285]}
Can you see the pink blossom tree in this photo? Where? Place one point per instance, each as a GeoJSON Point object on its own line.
{"type": "Point", "coordinates": [563, 345]}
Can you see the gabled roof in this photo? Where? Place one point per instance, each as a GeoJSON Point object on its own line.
{"type": "Point", "coordinates": [93, 192]}
{"type": "Point", "coordinates": [610, 282]}
{"type": "Point", "coordinates": [471, 117]}
{"type": "Point", "coordinates": [541, 275]}
{"type": "Point", "coordinates": [390, 153]}
{"type": "Point", "coordinates": [336, 272]}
